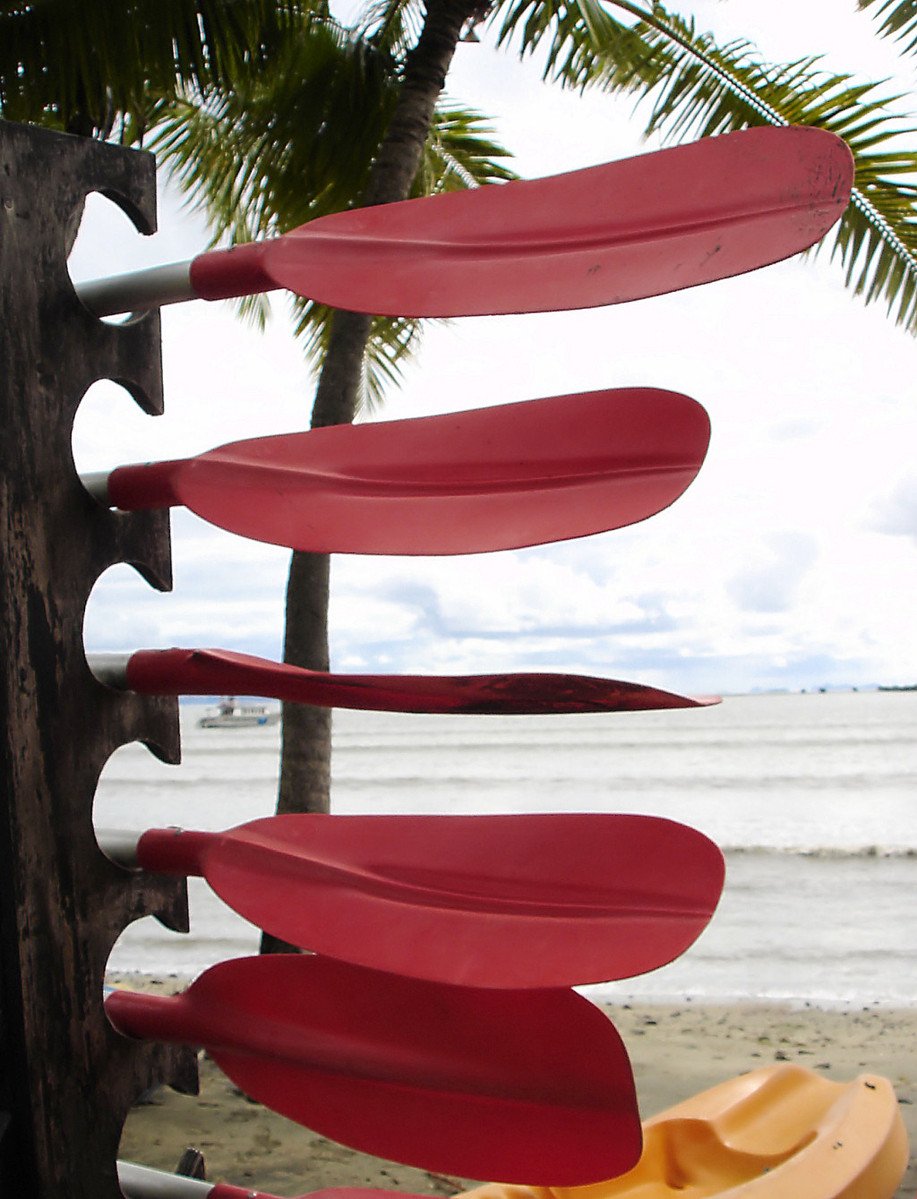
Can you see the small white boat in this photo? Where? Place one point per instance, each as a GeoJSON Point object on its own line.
{"type": "Point", "coordinates": [232, 715]}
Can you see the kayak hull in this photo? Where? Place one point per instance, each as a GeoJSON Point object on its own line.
{"type": "Point", "coordinates": [782, 1132]}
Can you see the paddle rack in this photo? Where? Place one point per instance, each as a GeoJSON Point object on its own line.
{"type": "Point", "coordinates": [66, 1078]}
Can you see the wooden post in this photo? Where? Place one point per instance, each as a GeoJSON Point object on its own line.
{"type": "Point", "coordinates": [66, 1078]}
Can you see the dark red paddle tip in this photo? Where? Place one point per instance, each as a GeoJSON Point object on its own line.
{"type": "Point", "coordinates": [534, 1086]}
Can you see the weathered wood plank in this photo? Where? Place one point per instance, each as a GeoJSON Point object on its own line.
{"type": "Point", "coordinates": [66, 1079]}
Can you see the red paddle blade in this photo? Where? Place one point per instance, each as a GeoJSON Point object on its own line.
{"type": "Point", "coordinates": [533, 1086]}
{"type": "Point", "coordinates": [540, 900]}
{"type": "Point", "coordinates": [641, 227]}
{"type": "Point", "coordinates": [223, 672]}
{"type": "Point", "coordinates": [467, 482]}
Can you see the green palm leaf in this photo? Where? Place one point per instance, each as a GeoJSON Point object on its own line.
{"type": "Point", "coordinates": [697, 88]}
{"type": "Point", "coordinates": [581, 39]}
{"type": "Point", "coordinates": [898, 20]}
{"type": "Point", "coordinates": [459, 154]}
{"type": "Point", "coordinates": [392, 25]}
{"type": "Point", "coordinates": [82, 63]}
{"type": "Point", "coordinates": [295, 142]}
{"type": "Point", "coordinates": [287, 144]}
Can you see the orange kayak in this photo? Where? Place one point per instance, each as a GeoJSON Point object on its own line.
{"type": "Point", "coordinates": [783, 1132]}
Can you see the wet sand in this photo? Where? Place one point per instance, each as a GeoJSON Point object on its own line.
{"type": "Point", "coordinates": [676, 1051]}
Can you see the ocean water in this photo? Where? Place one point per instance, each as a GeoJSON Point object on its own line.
{"type": "Point", "coordinates": [813, 799]}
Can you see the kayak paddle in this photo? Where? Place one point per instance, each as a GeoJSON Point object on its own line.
{"type": "Point", "coordinates": [530, 1085]}
{"type": "Point", "coordinates": [465, 482]}
{"type": "Point", "coordinates": [641, 227]}
{"type": "Point", "coordinates": [140, 1182]}
{"type": "Point", "coordinates": [508, 901]}
{"type": "Point", "coordinates": [224, 672]}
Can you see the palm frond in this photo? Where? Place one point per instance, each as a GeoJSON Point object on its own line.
{"type": "Point", "coordinates": [393, 341]}
{"type": "Point", "coordinates": [91, 61]}
{"type": "Point", "coordinates": [459, 153]}
{"type": "Point", "coordinates": [392, 25]}
{"type": "Point", "coordinates": [287, 144]}
{"type": "Point", "coordinates": [898, 20]}
{"type": "Point", "coordinates": [697, 88]}
{"type": "Point", "coordinates": [580, 38]}
{"type": "Point", "coordinates": [295, 142]}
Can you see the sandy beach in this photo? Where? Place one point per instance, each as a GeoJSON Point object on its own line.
{"type": "Point", "coordinates": [676, 1051]}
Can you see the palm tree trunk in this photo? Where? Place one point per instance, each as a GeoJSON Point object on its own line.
{"type": "Point", "coordinates": [305, 760]}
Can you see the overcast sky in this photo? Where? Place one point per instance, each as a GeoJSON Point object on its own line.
{"type": "Point", "coordinates": [790, 562]}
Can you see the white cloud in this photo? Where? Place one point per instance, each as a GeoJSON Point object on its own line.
{"type": "Point", "coordinates": [771, 585]}
{"type": "Point", "coordinates": [896, 512]}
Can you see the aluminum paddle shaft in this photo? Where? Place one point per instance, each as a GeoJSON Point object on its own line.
{"type": "Point", "coordinates": [140, 1182]}
{"type": "Point", "coordinates": [530, 1085]}
{"type": "Point", "coordinates": [522, 901]}
{"type": "Point", "coordinates": [466, 482]}
{"type": "Point", "coordinates": [640, 227]}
